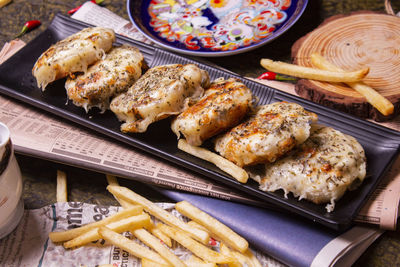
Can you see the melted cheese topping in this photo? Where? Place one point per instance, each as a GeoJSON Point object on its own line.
{"type": "Point", "coordinates": [73, 54]}
{"type": "Point", "coordinates": [223, 105]}
{"type": "Point", "coordinates": [121, 67]}
{"type": "Point", "coordinates": [159, 93]}
{"type": "Point", "coordinates": [319, 170]}
{"type": "Point", "coordinates": [270, 133]}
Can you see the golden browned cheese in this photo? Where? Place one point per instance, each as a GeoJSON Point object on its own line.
{"type": "Point", "coordinates": [108, 77]}
{"type": "Point", "coordinates": [162, 91]}
{"type": "Point", "coordinates": [320, 170]}
{"type": "Point", "coordinates": [223, 105]}
{"type": "Point", "coordinates": [267, 135]}
{"type": "Point", "coordinates": [73, 54]}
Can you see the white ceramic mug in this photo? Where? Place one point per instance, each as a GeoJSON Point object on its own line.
{"type": "Point", "coordinates": [11, 203]}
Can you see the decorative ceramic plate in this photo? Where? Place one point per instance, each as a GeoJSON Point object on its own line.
{"type": "Point", "coordinates": [214, 27]}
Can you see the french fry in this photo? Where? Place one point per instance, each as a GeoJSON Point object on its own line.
{"type": "Point", "coordinates": [226, 251]}
{"type": "Point", "coordinates": [123, 225]}
{"type": "Point", "coordinates": [158, 233]}
{"type": "Point", "coordinates": [197, 225]}
{"type": "Point", "coordinates": [189, 263]}
{"type": "Point", "coordinates": [112, 180]}
{"type": "Point", "coordinates": [130, 196]}
{"type": "Point", "coordinates": [124, 204]}
{"type": "Point", "coordinates": [242, 259]}
{"type": "Point", "coordinates": [220, 230]}
{"type": "Point", "coordinates": [70, 234]}
{"type": "Point", "coordinates": [252, 258]}
{"type": "Point", "coordinates": [4, 2]}
{"type": "Point", "coordinates": [61, 186]}
{"type": "Point", "coordinates": [313, 74]}
{"type": "Point", "coordinates": [154, 243]}
{"type": "Point", "coordinates": [247, 258]}
{"type": "Point", "coordinates": [148, 263]}
{"type": "Point", "coordinates": [195, 247]}
{"type": "Point", "coordinates": [194, 261]}
{"type": "Point", "coordinates": [373, 97]}
{"type": "Point", "coordinates": [132, 247]}
{"type": "Point", "coordinates": [204, 264]}
{"type": "Point", "coordinates": [221, 162]}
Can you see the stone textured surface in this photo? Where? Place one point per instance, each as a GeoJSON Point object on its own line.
{"type": "Point", "coordinates": [40, 176]}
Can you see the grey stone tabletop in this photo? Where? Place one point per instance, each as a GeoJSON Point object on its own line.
{"type": "Point", "coordinates": [39, 176]}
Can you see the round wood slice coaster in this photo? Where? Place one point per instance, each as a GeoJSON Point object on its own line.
{"type": "Point", "coordinates": [353, 42]}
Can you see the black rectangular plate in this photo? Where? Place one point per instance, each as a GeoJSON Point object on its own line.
{"type": "Point", "coordinates": [381, 144]}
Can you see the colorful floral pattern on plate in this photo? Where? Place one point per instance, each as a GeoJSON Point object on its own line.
{"type": "Point", "coordinates": [217, 25]}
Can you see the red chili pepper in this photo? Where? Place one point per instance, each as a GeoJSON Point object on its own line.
{"type": "Point", "coordinates": [29, 25]}
{"type": "Point", "coordinates": [269, 75]}
{"type": "Point", "coordinates": [72, 11]}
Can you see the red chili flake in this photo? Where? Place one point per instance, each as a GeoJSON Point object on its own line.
{"type": "Point", "coordinates": [28, 26]}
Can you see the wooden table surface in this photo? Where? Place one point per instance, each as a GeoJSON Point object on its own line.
{"type": "Point", "coordinates": [39, 175]}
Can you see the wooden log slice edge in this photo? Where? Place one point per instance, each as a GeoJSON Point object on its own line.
{"type": "Point", "coordinates": [341, 96]}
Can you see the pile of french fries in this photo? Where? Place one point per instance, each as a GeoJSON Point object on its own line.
{"type": "Point", "coordinates": [328, 72]}
{"type": "Point", "coordinates": [195, 235]}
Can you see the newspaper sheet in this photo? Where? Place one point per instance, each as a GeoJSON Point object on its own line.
{"type": "Point", "coordinates": [96, 15]}
{"type": "Point", "coordinates": [35, 132]}
{"type": "Point", "coordinates": [383, 206]}
{"type": "Point", "coordinates": [29, 245]}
